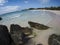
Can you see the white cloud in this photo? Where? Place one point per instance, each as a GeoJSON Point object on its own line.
{"type": "Point", "coordinates": [44, 1]}
{"type": "Point", "coordinates": [2, 2]}
{"type": "Point", "coordinates": [7, 9]}
{"type": "Point", "coordinates": [26, 2]}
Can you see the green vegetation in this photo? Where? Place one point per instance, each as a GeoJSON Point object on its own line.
{"type": "Point", "coordinates": [47, 8]}
{"type": "Point", "coordinates": [31, 8]}
{"type": "Point", "coordinates": [53, 8]}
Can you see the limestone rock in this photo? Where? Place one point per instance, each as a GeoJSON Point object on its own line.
{"type": "Point", "coordinates": [26, 30]}
{"type": "Point", "coordinates": [20, 34]}
{"type": "Point", "coordinates": [38, 26]}
{"type": "Point", "coordinates": [54, 39]}
{"type": "Point", "coordinates": [15, 31]}
{"type": "Point", "coordinates": [5, 37]}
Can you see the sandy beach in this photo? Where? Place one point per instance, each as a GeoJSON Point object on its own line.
{"type": "Point", "coordinates": [42, 36]}
{"type": "Point", "coordinates": [55, 11]}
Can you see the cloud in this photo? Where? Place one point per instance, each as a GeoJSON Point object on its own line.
{"type": "Point", "coordinates": [2, 2]}
{"type": "Point", "coordinates": [7, 9]}
{"type": "Point", "coordinates": [26, 2]}
{"type": "Point", "coordinates": [44, 1]}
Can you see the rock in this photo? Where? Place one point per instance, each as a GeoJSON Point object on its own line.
{"type": "Point", "coordinates": [39, 44]}
{"type": "Point", "coordinates": [20, 34]}
{"type": "Point", "coordinates": [38, 26]}
{"type": "Point", "coordinates": [54, 39]}
{"type": "Point", "coordinates": [0, 18]}
{"type": "Point", "coordinates": [15, 31]}
{"type": "Point", "coordinates": [26, 36]}
{"type": "Point", "coordinates": [26, 30]}
{"type": "Point", "coordinates": [15, 28]}
{"type": "Point", "coordinates": [5, 37]}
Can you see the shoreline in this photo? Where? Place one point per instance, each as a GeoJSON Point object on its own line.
{"type": "Point", "coordinates": [42, 36]}
{"type": "Point", "coordinates": [55, 11]}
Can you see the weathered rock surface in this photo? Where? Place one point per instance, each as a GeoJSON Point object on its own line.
{"type": "Point", "coordinates": [54, 39]}
{"type": "Point", "coordinates": [26, 30]}
{"type": "Point", "coordinates": [5, 37]}
{"type": "Point", "coordinates": [0, 18]}
{"type": "Point", "coordinates": [20, 34]}
{"type": "Point", "coordinates": [38, 26]}
{"type": "Point", "coordinates": [39, 44]}
{"type": "Point", "coordinates": [15, 31]}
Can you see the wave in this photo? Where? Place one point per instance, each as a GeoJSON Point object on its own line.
{"type": "Point", "coordinates": [13, 12]}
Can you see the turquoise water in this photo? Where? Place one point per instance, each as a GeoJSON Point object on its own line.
{"type": "Point", "coordinates": [25, 16]}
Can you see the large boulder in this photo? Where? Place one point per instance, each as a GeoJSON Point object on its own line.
{"type": "Point", "coordinates": [15, 28]}
{"type": "Point", "coordinates": [38, 26]}
{"type": "Point", "coordinates": [54, 39]}
{"type": "Point", "coordinates": [15, 31]}
{"type": "Point", "coordinates": [5, 37]}
{"type": "Point", "coordinates": [20, 34]}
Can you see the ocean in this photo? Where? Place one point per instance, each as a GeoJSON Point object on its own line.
{"type": "Point", "coordinates": [22, 17]}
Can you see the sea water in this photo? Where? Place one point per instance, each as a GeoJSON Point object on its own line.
{"type": "Point", "coordinates": [22, 17]}
{"type": "Point", "coordinates": [43, 17]}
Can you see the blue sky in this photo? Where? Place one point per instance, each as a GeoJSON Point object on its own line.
{"type": "Point", "coordinates": [13, 5]}
{"type": "Point", "coordinates": [32, 3]}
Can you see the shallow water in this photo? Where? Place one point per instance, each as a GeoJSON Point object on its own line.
{"type": "Point", "coordinates": [22, 17]}
{"type": "Point", "coordinates": [43, 17]}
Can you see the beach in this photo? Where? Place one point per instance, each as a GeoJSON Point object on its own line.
{"type": "Point", "coordinates": [55, 11]}
{"type": "Point", "coordinates": [49, 18]}
{"type": "Point", "coordinates": [42, 36]}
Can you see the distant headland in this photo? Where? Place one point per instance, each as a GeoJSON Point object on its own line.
{"type": "Point", "coordinates": [46, 8]}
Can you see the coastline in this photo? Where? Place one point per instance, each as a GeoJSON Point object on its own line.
{"type": "Point", "coordinates": [42, 36]}
{"type": "Point", "coordinates": [55, 11]}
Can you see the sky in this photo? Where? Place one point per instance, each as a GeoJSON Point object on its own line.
{"type": "Point", "coordinates": [14, 5]}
